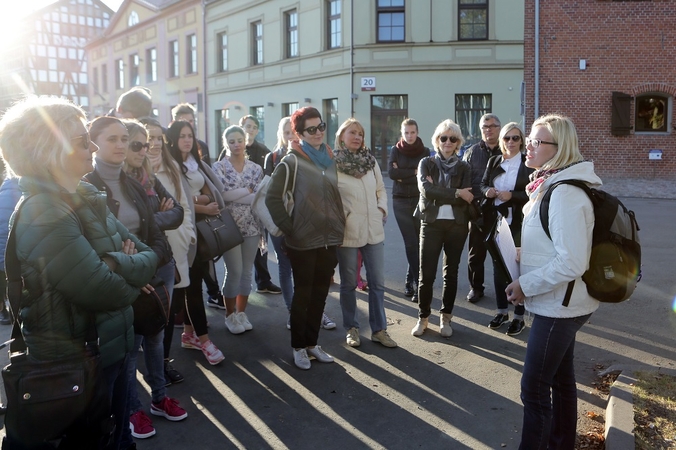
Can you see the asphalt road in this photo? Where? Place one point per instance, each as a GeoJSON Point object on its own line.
{"type": "Point", "coordinates": [459, 393]}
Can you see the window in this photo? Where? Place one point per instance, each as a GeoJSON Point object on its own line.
{"type": "Point", "coordinates": [652, 113]}
{"type": "Point", "coordinates": [472, 20]}
{"type": "Point", "coordinates": [151, 65]}
{"type": "Point", "coordinates": [95, 79]}
{"type": "Point", "coordinates": [468, 111]}
{"type": "Point", "coordinates": [291, 19]}
{"type": "Point", "coordinates": [330, 115]}
{"type": "Point", "coordinates": [387, 113]}
{"type": "Point", "coordinates": [173, 59]}
{"type": "Point", "coordinates": [104, 78]}
{"type": "Point", "coordinates": [257, 42]}
{"type": "Point", "coordinates": [133, 19]}
{"type": "Point", "coordinates": [289, 108]}
{"type": "Point", "coordinates": [259, 113]}
{"type": "Point", "coordinates": [191, 45]}
{"type": "Point", "coordinates": [222, 52]}
{"type": "Point", "coordinates": [390, 20]}
{"type": "Point", "coordinates": [133, 70]}
{"type": "Point", "coordinates": [119, 77]}
{"type": "Point", "coordinates": [334, 25]}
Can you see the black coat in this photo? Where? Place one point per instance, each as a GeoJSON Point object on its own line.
{"type": "Point", "coordinates": [432, 195]}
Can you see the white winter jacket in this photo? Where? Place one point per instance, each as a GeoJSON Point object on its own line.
{"type": "Point", "coordinates": [547, 265]}
{"type": "Point", "coordinates": [361, 199]}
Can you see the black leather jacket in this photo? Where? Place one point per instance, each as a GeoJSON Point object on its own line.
{"type": "Point", "coordinates": [432, 195]}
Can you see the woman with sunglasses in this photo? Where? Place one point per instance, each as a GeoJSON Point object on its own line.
{"type": "Point", "coordinates": [445, 184]}
{"type": "Point", "coordinates": [122, 148]}
{"type": "Point", "coordinates": [504, 188]}
{"type": "Point", "coordinates": [182, 240]}
{"type": "Point", "coordinates": [548, 266]}
{"type": "Point", "coordinates": [313, 230]}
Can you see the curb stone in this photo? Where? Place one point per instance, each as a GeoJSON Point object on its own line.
{"type": "Point", "coordinates": [619, 427]}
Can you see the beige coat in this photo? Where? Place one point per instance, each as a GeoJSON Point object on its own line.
{"type": "Point", "coordinates": [363, 199]}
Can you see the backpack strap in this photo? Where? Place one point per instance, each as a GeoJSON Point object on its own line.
{"type": "Point", "coordinates": [544, 220]}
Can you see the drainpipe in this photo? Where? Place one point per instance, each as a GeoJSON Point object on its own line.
{"type": "Point", "coordinates": [351, 58]}
{"type": "Point", "coordinates": [204, 73]}
{"type": "Point", "coordinates": [536, 89]}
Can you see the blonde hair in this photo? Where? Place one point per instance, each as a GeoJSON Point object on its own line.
{"type": "Point", "coordinates": [447, 125]}
{"type": "Point", "coordinates": [168, 161]}
{"type": "Point", "coordinates": [564, 135]}
{"type": "Point", "coordinates": [344, 126]}
{"type": "Point", "coordinates": [35, 134]}
{"type": "Point", "coordinates": [280, 132]}
{"type": "Point", "coordinates": [506, 129]}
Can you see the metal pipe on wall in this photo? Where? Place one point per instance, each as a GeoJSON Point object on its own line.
{"type": "Point", "coordinates": [536, 84]}
{"type": "Point", "coordinates": [351, 58]}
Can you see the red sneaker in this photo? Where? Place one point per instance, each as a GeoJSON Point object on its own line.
{"type": "Point", "coordinates": [169, 409]}
{"type": "Point", "coordinates": [141, 425]}
{"type": "Point", "coordinates": [190, 341]}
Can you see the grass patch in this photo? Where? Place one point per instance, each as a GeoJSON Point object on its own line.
{"type": "Point", "coordinates": [655, 411]}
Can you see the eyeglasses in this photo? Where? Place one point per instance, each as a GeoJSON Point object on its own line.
{"type": "Point", "coordinates": [313, 130]}
{"type": "Point", "coordinates": [535, 143]}
{"type": "Point", "coordinates": [488, 127]}
{"type": "Point", "coordinates": [86, 140]}
{"type": "Point", "coordinates": [515, 138]}
{"type": "Point", "coordinates": [453, 139]}
{"type": "Point", "coordinates": [137, 146]}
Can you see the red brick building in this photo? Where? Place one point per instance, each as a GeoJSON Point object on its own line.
{"type": "Point", "coordinates": [611, 66]}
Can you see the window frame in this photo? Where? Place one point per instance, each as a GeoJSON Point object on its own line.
{"type": "Point", "coordinates": [173, 60]}
{"type": "Point", "coordinates": [381, 11]}
{"type": "Point", "coordinates": [289, 108]}
{"type": "Point", "coordinates": [119, 74]}
{"type": "Point", "coordinates": [104, 78]}
{"type": "Point", "coordinates": [258, 112]}
{"type": "Point", "coordinates": [471, 7]}
{"type": "Point", "coordinates": [292, 45]}
{"type": "Point", "coordinates": [471, 131]}
{"type": "Point", "coordinates": [331, 19]}
{"type": "Point", "coordinates": [257, 43]}
{"type": "Point", "coordinates": [191, 67]}
{"type": "Point", "coordinates": [667, 112]}
{"type": "Point", "coordinates": [222, 51]}
{"type": "Point", "coordinates": [330, 113]}
{"type": "Point", "coordinates": [151, 65]}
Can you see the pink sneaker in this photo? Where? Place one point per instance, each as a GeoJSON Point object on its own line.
{"type": "Point", "coordinates": [212, 353]}
{"type": "Point", "coordinates": [169, 409]}
{"type": "Point", "coordinates": [190, 341]}
{"type": "Point", "coordinates": [141, 425]}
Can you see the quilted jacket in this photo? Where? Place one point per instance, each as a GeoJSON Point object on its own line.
{"type": "Point", "coordinates": [60, 240]}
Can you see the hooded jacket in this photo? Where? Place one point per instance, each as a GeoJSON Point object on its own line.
{"type": "Point", "coordinates": [548, 265]}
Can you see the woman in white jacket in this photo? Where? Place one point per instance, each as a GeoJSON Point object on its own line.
{"type": "Point", "coordinates": [548, 389]}
{"type": "Point", "coordinates": [362, 191]}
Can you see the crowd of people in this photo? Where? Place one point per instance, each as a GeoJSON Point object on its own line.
{"type": "Point", "coordinates": [117, 200]}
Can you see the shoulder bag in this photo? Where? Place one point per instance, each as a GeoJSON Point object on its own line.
{"type": "Point", "coordinates": [216, 235]}
{"type": "Point", "coordinates": [259, 207]}
{"type": "Point", "coordinates": [152, 309]}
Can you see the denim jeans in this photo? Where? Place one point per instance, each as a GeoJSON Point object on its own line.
{"type": "Point", "coordinates": [312, 271]}
{"type": "Point", "coordinates": [409, 227]}
{"type": "Point", "coordinates": [284, 266]}
{"type": "Point", "coordinates": [374, 261]}
{"type": "Point", "coordinates": [239, 262]}
{"type": "Point", "coordinates": [118, 386]}
{"type": "Point", "coordinates": [435, 236]}
{"type": "Point", "coordinates": [548, 389]}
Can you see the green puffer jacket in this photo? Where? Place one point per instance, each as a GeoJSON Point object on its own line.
{"type": "Point", "coordinates": [60, 240]}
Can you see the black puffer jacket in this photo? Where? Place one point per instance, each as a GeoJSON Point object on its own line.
{"type": "Point", "coordinates": [317, 219]}
{"type": "Point", "coordinates": [149, 232]}
{"type": "Point", "coordinates": [60, 239]}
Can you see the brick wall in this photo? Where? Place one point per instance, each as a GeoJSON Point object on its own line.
{"type": "Point", "coordinates": [630, 47]}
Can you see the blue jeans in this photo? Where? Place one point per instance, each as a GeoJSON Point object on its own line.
{"type": "Point", "coordinates": [239, 263]}
{"type": "Point", "coordinates": [374, 261]}
{"type": "Point", "coordinates": [449, 236]}
{"type": "Point", "coordinates": [285, 273]}
{"type": "Point", "coordinates": [548, 389]}
{"type": "Point", "coordinates": [410, 230]}
{"type": "Point", "coordinates": [118, 385]}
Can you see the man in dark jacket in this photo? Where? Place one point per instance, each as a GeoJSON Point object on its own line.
{"type": "Point", "coordinates": [257, 151]}
{"type": "Point", "coordinates": [477, 157]}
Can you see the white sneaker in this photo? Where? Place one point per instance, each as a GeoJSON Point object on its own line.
{"type": "Point", "coordinates": [301, 359]}
{"type": "Point", "coordinates": [445, 325]}
{"type": "Point", "coordinates": [288, 322]}
{"type": "Point", "coordinates": [327, 323]}
{"type": "Point", "coordinates": [352, 337]}
{"type": "Point", "coordinates": [319, 354]}
{"type": "Point", "coordinates": [233, 324]}
{"type": "Point", "coordinates": [244, 320]}
{"type": "Point", "coordinates": [420, 327]}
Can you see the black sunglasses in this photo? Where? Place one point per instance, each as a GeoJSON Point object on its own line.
{"type": "Point", "coordinates": [515, 138]}
{"type": "Point", "coordinates": [137, 146]}
{"type": "Point", "coordinates": [86, 140]}
{"type": "Point", "coordinates": [313, 130]}
{"type": "Point", "coordinates": [453, 139]}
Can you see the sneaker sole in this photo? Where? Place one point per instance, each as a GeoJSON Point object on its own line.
{"type": "Point", "coordinates": [329, 327]}
{"type": "Point", "coordinates": [190, 346]}
{"type": "Point", "coordinates": [215, 305]}
{"type": "Point", "coordinates": [353, 344]}
{"type": "Point", "coordinates": [492, 327]}
{"type": "Point", "coordinates": [268, 291]}
{"type": "Point", "coordinates": [141, 436]}
{"type": "Point", "coordinates": [214, 363]}
{"type": "Point", "coordinates": [155, 412]}
{"type": "Point", "coordinates": [384, 344]}
{"type": "Point", "coordinates": [515, 333]}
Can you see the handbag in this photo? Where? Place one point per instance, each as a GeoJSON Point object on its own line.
{"type": "Point", "coordinates": [216, 235]}
{"type": "Point", "coordinates": [47, 400]}
{"type": "Point", "coordinates": [151, 310]}
{"type": "Point", "coordinates": [260, 209]}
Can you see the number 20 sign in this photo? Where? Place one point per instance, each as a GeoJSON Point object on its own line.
{"type": "Point", "coordinates": [368, 83]}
